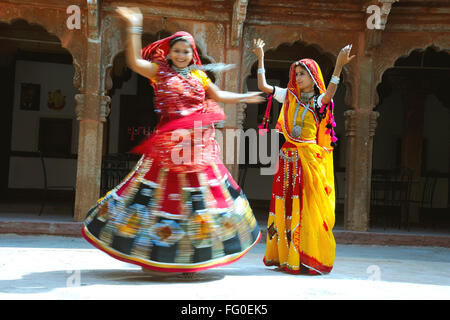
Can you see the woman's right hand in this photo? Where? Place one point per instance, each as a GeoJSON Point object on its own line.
{"type": "Point", "coordinates": [258, 46]}
{"type": "Point", "coordinates": [133, 16]}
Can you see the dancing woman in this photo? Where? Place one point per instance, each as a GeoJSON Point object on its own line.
{"type": "Point", "coordinates": [301, 217]}
{"type": "Point", "coordinates": [179, 209]}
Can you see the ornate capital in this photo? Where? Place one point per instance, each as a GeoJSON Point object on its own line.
{"type": "Point", "coordinates": [239, 16]}
{"type": "Point", "coordinates": [353, 117]}
{"type": "Point", "coordinates": [98, 112]}
{"type": "Point", "coordinates": [373, 116]}
{"type": "Point", "coordinates": [79, 98]}
{"type": "Point", "coordinates": [350, 122]}
{"type": "Point", "coordinates": [93, 19]}
{"type": "Point", "coordinates": [240, 116]}
{"type": "Point", "coordinates": [105, 107]}
{"type": "Point", "coordinates": [78, 76]}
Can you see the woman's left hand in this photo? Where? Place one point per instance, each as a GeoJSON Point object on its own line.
{"type": "Point", "coordinates": [344, 56]}
{"type": "Point", "coordinates": [253, 97]}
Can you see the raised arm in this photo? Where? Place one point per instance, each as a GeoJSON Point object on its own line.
{"type": "Point", "coordinates": [342, 59]}
{"type": "Point", "coordinates": [258, 46]}
{"type": "Point", "coordinates": [133, 18]}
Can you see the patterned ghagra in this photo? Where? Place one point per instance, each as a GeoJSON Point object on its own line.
{"type": "Point", "coordinates": [175, 217]}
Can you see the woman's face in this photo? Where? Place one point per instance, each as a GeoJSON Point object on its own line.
{"type": "Point", "coordinates": [304, 80]}
{"type": "Point", "coordinates": [181, 54]}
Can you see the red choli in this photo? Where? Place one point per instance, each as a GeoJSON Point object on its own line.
{"type": "Point", "coordinates": [182, 104]}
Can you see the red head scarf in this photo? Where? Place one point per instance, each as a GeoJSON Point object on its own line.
{"type": "Point", "coordinates": [158, 50]}
{"type": "Point", "coordinates": [326, 135]}
{"type": "Point", "coordinates": [314, 71]}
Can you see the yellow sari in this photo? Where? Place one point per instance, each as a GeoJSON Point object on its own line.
{"type": "Point", "coordinates": [301, 218]}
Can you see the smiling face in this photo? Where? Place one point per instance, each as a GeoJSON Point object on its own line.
{"type": "Point", "coordinates": [181, 54]}
{"type": "Point", "coordinates": [304, 80]}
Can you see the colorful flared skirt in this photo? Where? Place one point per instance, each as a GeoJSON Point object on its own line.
{"type": "Point", "coordinates": [301, 217]}
{"type": "Point", "coordinates": [174, 221]}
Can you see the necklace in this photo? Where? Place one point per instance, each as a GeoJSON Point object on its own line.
{"type": "Point", "coordinates": [305, 97]}
{"type": "Point", "coordinates": [184, 72]}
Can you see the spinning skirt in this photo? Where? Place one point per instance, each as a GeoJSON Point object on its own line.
{"type": "Point", "coordinates": [172, 221]}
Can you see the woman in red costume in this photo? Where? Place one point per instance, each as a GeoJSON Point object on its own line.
{"type": "Point", "coordinates": [179, 210]}
{"type": "Point", "coordinates": [301, 217]}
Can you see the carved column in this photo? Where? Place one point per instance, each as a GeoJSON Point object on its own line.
{"type": "Point", "coordinates": [359, 142]}
{"type": "Point", "coordinates": [360, 127]}
{"type": "Point", "coordinates": [234, 112]}
{"type": "Point", "coordinates": [92, 110]}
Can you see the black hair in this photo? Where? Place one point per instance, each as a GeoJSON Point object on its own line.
{"type": "Point", "coordinates": [177, 39]}
{"type": "Point", "coordinates": [316, 89]}
{"type": "Point", "coordinates": [172, 43]}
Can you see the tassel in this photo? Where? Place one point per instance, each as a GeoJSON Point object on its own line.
{"type": "Point", "coordinates": [333, 123]}
{"type": "Point", "coordinates": [322, 108]}
{"type": "Point", "coordinates": [264, 126]}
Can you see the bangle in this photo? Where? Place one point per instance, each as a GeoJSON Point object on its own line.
{"type": "Point", "coordinates": [335, 80]}
{"type": "Point", "coordinates": [261, 70]}
{"type": "Point", "coordinates": [135, 30]}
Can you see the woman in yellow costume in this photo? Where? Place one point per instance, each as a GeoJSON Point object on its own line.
{"type": "Point", "coordinates": [301, 218]}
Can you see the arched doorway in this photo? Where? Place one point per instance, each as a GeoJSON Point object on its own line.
{"type": "Point", "coordinates": [411, 144]}
{"type": "Point", "coordinates": [277, 63]}
{"type": "Point", "coordinates": [38, 114]}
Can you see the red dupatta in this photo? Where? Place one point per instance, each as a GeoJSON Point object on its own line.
{"type": "Point", "coordinates": [325, 133]}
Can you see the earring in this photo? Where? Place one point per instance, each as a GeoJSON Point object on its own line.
{"type": "Point", "coordinates": [167, 57]}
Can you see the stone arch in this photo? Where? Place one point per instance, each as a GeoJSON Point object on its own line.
{"type": "Point", "coordinates": [384, 62]}
{"type": "Point", "coordinates": [414, 77]}
{"type": "Point", "coordinates": [53, 21]}
{"type": "Point", "coordinates": [398, 59]}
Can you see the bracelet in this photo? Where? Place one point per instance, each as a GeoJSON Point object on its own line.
{"type": "Point", "coordinates": [335, 80]}
{"type": "Point", "coordinates": [261, 70]}
{"type": "Point", "coordinates": [135, 30]}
